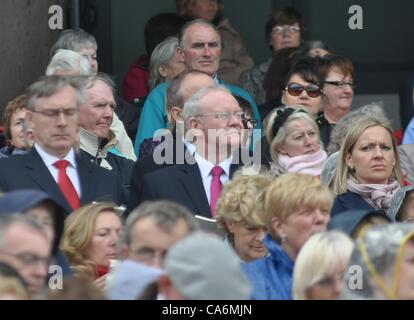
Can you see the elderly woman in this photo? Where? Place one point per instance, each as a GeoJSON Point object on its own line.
{"type": "Point", "coordinates": [240, 214]}
{"type": "Point", "coordinates": [284, 29]}
{"type": "Point", "coordinates": [382, 264]}
{"type": "Point", "coordinates": [402, 206]}
{"type": "Point", "coordinates": [294, 143]}
{"type": "Point", "coordinates": [234, 57]}
{"type": "Point", "coordinates": [89, 240]}
{"type": "Point", "coordinates": [296, 207]}
{"type": "Point", "coordinates": [165, 62]}
{"type": "Point", "coordinates": [303, 85]}
{"type": "Point", "coordinates": [338, 89]}
{"type": "Point", "coordinates": [320, 266]}
{"type": "Point", "coordinates": [18, 141]}
{"type": "Point", "coordinates": [368, 173]}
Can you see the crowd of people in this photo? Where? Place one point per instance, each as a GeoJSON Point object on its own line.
{"type": "Point", "coordinates": [209, 179]}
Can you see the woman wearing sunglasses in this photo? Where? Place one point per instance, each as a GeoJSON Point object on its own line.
{"type": "Point", "coordinates": [294, 143]}
{"type": "Point", "coordinates": [303, 85]}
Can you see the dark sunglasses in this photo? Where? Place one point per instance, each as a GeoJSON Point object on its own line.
{"type": "Point", "coordinates": [295, 89]}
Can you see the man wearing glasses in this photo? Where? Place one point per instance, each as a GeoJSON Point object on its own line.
{"type": "Point", "coordinates": [214, 119]}
{"type": "Point", "coordinates": [25, 247]}
{"type": "Point", "coordinates": [53, 164]}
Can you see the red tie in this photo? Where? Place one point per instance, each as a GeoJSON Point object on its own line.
{"type": "Point", "coordinates": [215, 188]}
{"type": "Point", "coordinates": [66, 185]}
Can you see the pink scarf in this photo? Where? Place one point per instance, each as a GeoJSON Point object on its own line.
{"type": "Point", "coordinates": [377, 195]}
{"type": "Point", "coordinates": [311, 164]}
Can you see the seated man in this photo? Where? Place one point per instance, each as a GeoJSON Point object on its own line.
{"type": "Point", "coordinates": [96, 138]}
{"type": "Point", "coordinates": [53, 164]}
{"type": "Point", "coordinates": [200, 48]}
{"type": "Point", "coordinates": [25, 247]}
{"type": "Point", "coordinates": [214, 118]}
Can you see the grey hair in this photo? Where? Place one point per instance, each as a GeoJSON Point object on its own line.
{"type": "Point", "coordinates": [68, 60]}
{"type": "Point", "coordinates": [372, 110]}
{"type": "Point", "coordinates": [100, 76]}
{"type": "Point", "coordinates": [192, 107]}
{"type": "Point", "coordinates": [280, 137]}
{"type": "Point", "coordinates": [165, 213]}
{"type": "Point", "coordinates": [8, 220]}
{"type": "Point", "coordinates": [48, 86]}
{"type": "Point", "coordinates": [161, 57]}
{"type": "Point", "coordinates": [74, 39]}
{"type": "Point", "coordinates": [183, 31]}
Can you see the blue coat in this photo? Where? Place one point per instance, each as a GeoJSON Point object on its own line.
{"type": "Point", "coordinates": [153, 116]}
{"type": "Point", "coordinates": [349, 201]}
{"type": "Point", "coordinates": [271, 276]}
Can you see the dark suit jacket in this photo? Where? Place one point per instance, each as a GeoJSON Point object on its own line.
{"type": "Point", "coordinates": [349, 201]}
{"type": "Point", "coordinates": [29, 172]}
{"type": "Point", "coordinates": [180, 183]}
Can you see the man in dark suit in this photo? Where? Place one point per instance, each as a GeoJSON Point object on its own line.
{"type": "Point", "coordinates": [173, 147]}
{"type": "Point", "coordinates": [214, 118]}
{"type": "Point", "coordinates": [53, 165]}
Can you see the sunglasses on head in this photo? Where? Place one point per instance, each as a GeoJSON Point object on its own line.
{"type": "Point", "coordinates": [295, 89]}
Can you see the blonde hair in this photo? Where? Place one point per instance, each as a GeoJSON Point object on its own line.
{"type": "Point", "coordinates": [292, 191]}
{"type": "Point", "coordinates": [184, 7]}
{"type": "Point", "coordinates": [318, 258]}
{"type": "Point", "coordinates": [78, 233]}
{"type": "Point", "coordinates": [280, 137]}
{"type": "Point", "coordinates": [242, 199]}
{"type": "Point", "coordinates": [351, 137]}
{"type": "Point", "coordinates": [13, 287]}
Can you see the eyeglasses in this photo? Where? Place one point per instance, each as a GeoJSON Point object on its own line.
{"type": "Point", "coordinates": [253, 122]}
{"type": "Point", "coordinates": [29, 259]}
{"type": "Point", "coordinates": [225, 115]}
{"type": "Point", "coordinates": [55, 113]}
{"type": "Point", "coordinates": [295, 89]}
{"type": "Point", "coordinates": [288, 29]}
{"type": "Point", "coordinates": [341, 84]}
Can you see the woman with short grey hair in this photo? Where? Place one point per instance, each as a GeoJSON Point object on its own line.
{"type": "Point", "coordinates": [165, 62]}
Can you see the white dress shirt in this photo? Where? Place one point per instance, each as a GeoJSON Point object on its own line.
{"type": "Point", "coordinates": [206, 166]}
{"type": "Point", "coordinates": [71, 171]}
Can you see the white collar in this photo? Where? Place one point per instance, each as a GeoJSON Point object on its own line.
{"type": "Point", "coordinates": [206, 166]}
{"type": "Point", "coordinates": [49, 159]}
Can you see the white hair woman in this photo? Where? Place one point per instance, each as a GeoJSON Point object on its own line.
{"type": "Point", "coordinates": [165, 62]}
{"type": "Point", "coordinates": [294, 141]}
{"type": "Point", "coordinates": [320, 266]}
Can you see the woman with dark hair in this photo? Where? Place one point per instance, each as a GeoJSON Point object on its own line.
{"type": "Point", "coordinates": [338, 87]}
{"type": "Point", "coordinates": [284, 29]}
{"type": "Point", "coordinates": [234, 57]}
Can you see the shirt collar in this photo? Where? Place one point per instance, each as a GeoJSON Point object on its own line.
{"type": "Point", "coordinates": [206, 166]}
{"type": "Point", "coordinates": [49, 159]}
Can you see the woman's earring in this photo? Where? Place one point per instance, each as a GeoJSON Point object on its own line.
{"type": "Point", "coordinates": [351, 167]}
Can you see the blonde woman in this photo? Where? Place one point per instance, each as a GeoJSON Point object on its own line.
{"type": "Point", "coordinates": [296, 207]}
{"type": "Point", "coordinates": [369, 172]}
{"type": "Point", "coordinates": [240, 214]}
{"type": "Point", "coordinates": [320, 266]}
{"type": "Point", "coordinates": [294, 142]}
{"type": "Point", "coordinates": [89, 240]}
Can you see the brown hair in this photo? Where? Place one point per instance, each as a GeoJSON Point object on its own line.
{"type": "Point", "coordinates": [16, 104]}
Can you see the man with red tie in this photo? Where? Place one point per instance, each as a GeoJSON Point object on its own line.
{"type": "Point", "coordinates": [54, 165]}
{"type": "Point", "coordinates": [213, 118]}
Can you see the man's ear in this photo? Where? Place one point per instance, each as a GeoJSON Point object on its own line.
{"type": "Point", "coordinates": [180, 54]}
{"type": "Point", "coordinates": [177, 113]}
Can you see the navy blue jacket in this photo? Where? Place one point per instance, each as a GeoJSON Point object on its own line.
{"type": "Point", "coordinates": [349, 201]}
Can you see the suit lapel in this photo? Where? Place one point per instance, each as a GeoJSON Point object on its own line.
{"type": "Point", "coordinates": [190, 177]}
{"type": "Point", "coordinates": [85, 179]}
{"type": "Point", "coordinates": [40, 174]}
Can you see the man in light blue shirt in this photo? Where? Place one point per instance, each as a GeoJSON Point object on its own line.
{"type": "Point", "coordinates": [200, 49]}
